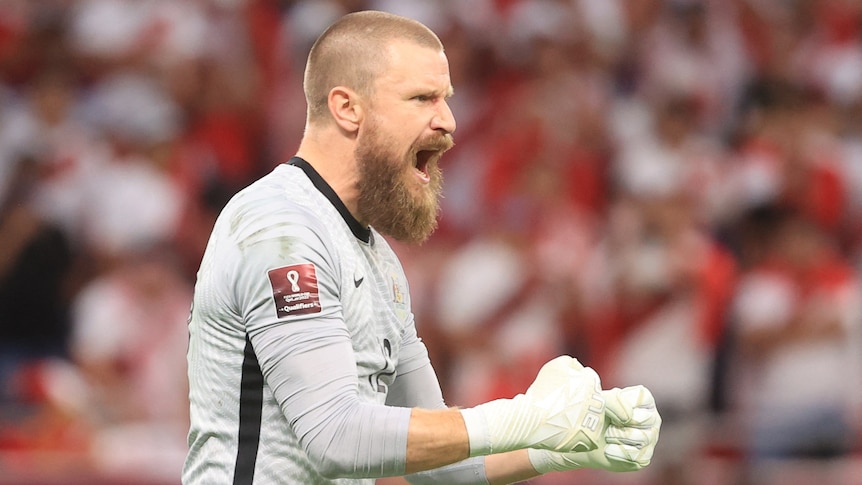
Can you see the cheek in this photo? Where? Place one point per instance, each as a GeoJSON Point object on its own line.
{"type": "Point", "coordinates": [397, 137]}
{"type": "Point", "coordinates": [406, 131]}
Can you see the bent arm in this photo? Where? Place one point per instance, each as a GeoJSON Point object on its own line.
{"type": "Point", "coordinates": [311, 370]}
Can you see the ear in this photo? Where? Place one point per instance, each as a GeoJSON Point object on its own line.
{"type": "Point", "coordinates": [345, 108]}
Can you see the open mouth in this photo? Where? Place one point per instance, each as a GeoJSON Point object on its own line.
{"type": "Point", "coordinates": [422, 159]}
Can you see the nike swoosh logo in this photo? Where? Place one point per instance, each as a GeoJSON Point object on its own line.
{"type": "Point", "coordinates": [359, 281]}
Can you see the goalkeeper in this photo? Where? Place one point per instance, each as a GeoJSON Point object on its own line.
{"type": "Point", "coordinates": [304, 362]}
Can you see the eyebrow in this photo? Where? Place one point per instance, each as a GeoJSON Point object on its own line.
{"type": "Point", "coordinates": [446, 95]}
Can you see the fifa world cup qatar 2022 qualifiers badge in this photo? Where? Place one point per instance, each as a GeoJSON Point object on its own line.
{"type": "Point", "coordinates": [294, 289]}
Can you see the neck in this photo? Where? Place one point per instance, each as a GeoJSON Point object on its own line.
{"type": "Point", "coordinates": [332, 157]}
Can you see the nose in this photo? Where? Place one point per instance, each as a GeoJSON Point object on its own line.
{"type": "Point", "coordinates": [444, 119]}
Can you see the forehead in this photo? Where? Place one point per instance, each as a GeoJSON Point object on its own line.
{"type": "Point", "coordinates": [411, 66]}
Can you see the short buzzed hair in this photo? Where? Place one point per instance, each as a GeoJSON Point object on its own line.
{"type": "Point", "coordinates": [353, 51]}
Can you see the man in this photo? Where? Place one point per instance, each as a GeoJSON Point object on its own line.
{"type": "Point", "coordinates": [304, 363]}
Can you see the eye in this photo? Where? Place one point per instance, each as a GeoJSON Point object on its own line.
{"type": "Point", "coordinates": [423, 98]}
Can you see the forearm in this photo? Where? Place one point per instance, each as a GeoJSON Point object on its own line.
{"type": "Point", "coordinates": [439, 437]}
{"type": "Point", "coordinates": [501, 469]}
{"type": "Point", "coordinates": [418, 386]}
{"type": "Point", "coordinates": [435, 438]}
{"type": "Point", "coordinates": [511, 467]}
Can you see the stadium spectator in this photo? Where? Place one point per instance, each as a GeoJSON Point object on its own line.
{"type": "Point", "coordinates": [796, 316]}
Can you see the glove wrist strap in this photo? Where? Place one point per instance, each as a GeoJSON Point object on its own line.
{"type": "Point", "coordinates": [477, 431]}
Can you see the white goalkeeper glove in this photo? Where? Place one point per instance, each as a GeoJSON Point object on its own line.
{"type": "Point", "coordinates": [630, 434]}
{"type": "Point", "coordinates": [563, 410]}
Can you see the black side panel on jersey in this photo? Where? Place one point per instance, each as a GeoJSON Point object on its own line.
{"type": "Point", "coordinates": [250, 416]}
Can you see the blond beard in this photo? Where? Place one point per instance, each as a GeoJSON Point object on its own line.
{"type": "Point", "coordinates": [387, 201]}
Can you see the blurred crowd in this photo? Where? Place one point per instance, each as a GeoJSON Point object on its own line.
{"type": "Point", "coordinates": [669, 190]}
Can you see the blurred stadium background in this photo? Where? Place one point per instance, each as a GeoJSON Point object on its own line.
{"type": "Point", "coordinates": [670, 190]}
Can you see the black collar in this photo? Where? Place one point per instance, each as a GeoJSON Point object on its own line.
{"type": "Point", "coordinates": [361, 232]}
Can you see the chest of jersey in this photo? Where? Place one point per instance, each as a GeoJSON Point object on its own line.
{"type": "Point", "coordinates": [376, 310]}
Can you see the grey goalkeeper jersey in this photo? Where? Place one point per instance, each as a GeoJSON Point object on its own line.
{"type": "Point", "coordinates": [303, 355]}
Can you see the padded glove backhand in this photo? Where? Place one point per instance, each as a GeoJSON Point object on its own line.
{"type": "Point", "coordinates": [563, 410]}
{"type": "Point", "coordinates": [630, 433]}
